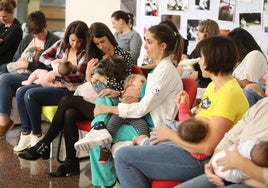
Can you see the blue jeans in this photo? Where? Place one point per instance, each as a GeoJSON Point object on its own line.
{"type": "Point", "coordinates": [252, 96]}
{"type": "Point", "coordinates": [136, 165]}
{"type": "Point", "coordinates": [9, 83]}
{"type": "Point", "coordinates": [30, 100]}
{"type": "Point", "coordinates": [203, 182]}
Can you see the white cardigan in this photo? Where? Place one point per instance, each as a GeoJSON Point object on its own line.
{"type": "Point", "coordinates": [163, 86]}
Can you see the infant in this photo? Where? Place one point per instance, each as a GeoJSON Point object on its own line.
{"type": "Point", "coordinates": [44, 77]}
{"type": "Point", "coordinates": [251, 149]}
{"type": "Point", "coordinates": [186, 66]}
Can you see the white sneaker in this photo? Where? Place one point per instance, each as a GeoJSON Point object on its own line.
{"type": "Point", "coordinates": [35, 139]}
{"type": "Point", "coordinates": [25, 142]}
{"type": "Point", "coordinates": [93, 138]}
{"type": "Point", "coordinates": [118, 145]}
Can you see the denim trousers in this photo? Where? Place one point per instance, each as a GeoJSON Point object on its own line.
{"type": "Point", "coordinates": [30, 100]}
{"type": "Point", "coordinates": [252, 96]}
{"type": "Point", "coordinates": [136, 165]}
{"type": "Point", "coordinates": [203, 182]}
{"type": "Point", "coordinates": [9, 83]}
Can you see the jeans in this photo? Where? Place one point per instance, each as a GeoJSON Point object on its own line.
{"type": "Point", "coordinates": [136, 165]}
{"type": "Point", "coordinates": [9, 83]}
{"type": "Point", "coordinates": [203, 182]}
{"type": "Point", "coordinates": [252, 96]}
{"type": "Point", "coordinates": [30, 100]}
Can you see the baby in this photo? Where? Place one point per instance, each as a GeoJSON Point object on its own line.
{"type": "Point", "coordinates": [46, 78]}
{"type": "Point", "coordinates": [251, 149]}
{"type": "Point", "coordinates": [186, 66]}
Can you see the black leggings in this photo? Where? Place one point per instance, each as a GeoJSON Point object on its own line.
{"type": "Point", "coordinates": [70, 110]}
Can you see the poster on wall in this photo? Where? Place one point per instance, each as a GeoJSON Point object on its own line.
{"type": "Point", "coordinates": [176, 19]}
{"type": "Point", "coordinates": [202, 4]}
{"type": "Point", "coordinates": [192, 28]}
{"type": "Point", "coordinates": [226, 10]}
{"type": "Point", "coordinates": [265, 23]}
{"type": "Point", "coordinates": [250, 20]}
{"type": "Point", "coordinates": [265, 5]}
{"type": "Point", "coordinates": [151, 8]}
{"type": "Point", "coordinates": [177, 5]}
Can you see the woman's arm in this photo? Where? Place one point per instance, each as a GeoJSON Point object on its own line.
{"type": "Point", "coordinates": [217, 127]}
{"type": "Point", "coordinates": [234, 160]}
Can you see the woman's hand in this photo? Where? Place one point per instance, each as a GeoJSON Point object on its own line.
{"type": "Point", "coordinates": [230, 160]}
{"type": "Point", "coordinates": [211, 176]}
{"type": "Point", "coordinates": [160, 134]}
{"type": "Point", "coordinates": [91, 66]}
{"type": "Point", "coordinates": [193, 75]}
{"type": "Point", "coordinates": [101, 109]}
{"type": "Point", "coordinates": [109, 93]}
{"type": "Point", "coordinates": [21, 64]}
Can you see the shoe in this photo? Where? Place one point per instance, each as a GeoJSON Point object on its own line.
{"type": "Point", "coordinates": [4, 129]}
{"type": "Point", "coordinates": [35, 139]}
{"type": "Point", "coordinates": [105, 155]}
{"type": "Point", "coordinates": [68, 167]}
{"type": "Point", "coordinates": [93, 138]}
{"type": "Point", "coordinates": [24, 143]}
{"type": "Point", "coordinates": [119, 145]}
{"type": "Point", "coordinates": [40, 150]}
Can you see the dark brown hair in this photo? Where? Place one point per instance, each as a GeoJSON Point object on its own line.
{"type": "Point", "coordinates": [36, 22]}
{"type": "Point", "coordinates": [98, 30]}
{"type": "Point", "coordinates": [65, 68]}
{"type": "Point", "coordinates": [127, 17]}
{"type": "Point", "coordinates": [220, 54]}
{"type": "Point", "coordinates": [8, 6]}
{"type": "Point", "coordinates": [79, 29]}
{"type": "Point", "coordinates": [192, 130]}
{"type": "Point", "coordinates": [164, 34]}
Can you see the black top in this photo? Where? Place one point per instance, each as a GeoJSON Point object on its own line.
{"type": "Point", "coordinates": [11, 37]}
{"type": "Point", "coordinates": [202, 82]}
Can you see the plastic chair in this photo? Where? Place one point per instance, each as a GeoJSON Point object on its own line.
{"type": "Point", "coordinates": [190, 86]}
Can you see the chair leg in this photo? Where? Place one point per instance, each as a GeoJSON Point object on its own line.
{"type": "Point", "coordinates": [59, 147]}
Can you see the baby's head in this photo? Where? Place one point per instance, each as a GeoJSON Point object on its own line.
{"type": "Point", "coordinates": [65, 68]}
{"type": "Point", "coordinates": [135, 79]}
{"type": "Point", "coordinates": [113, 67]}
{"type": "Point", "coordinates": [259, 154]}
{"type": "Point", "coordinates": [192, 130]}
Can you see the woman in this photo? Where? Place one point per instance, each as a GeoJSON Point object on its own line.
{"type": "Point", "coordinates": [252, 126]}
{"type": "Point", "coordinates": [171, 160]}
{"type": "Point", "coordinates": [31, 98]}
{"type": "Point", "coordinates": [157, 103]}
{"type": "Point", "coordinates": [10, 31]}
{"type": "Point", "coordinates": [252, 63]}
{"type": "Point", "coordinates": [38, 38]}
{"type": "Point", "coordinates": [101, 45]}
{"type": "Point", "coordinates": [127, 38]}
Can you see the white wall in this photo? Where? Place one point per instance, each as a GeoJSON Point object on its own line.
{"type": "Point", "coordinates": [91, 11]}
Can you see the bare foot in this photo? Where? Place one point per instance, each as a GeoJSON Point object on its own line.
{"type": "Point", "coordinates": [139, 140]}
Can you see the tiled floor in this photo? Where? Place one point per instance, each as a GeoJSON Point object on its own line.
{"type": "Point", "coordinates": [19, 173]}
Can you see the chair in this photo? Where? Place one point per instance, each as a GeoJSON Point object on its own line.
{"type": "Point", "coordinates": [49, 111]}
{"type": "Point", "coordinates": [190, 86]}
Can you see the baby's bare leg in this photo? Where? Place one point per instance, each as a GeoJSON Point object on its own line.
{"type": "Point", "coordinates": [256, 89]}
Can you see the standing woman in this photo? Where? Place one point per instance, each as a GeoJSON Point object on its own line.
{"type": "Point", "coordinates": [171, 160]}
{"type": "Point", "coordinates": [39, 38]}
{"type": "Point", "coordinates": [127, 38]}
{"type": "Point", "coordinates": [31, 98]}
{"type": "Point", "coordinates": [101, 46]}
{"type": "Point", "coordinates": [10, 31]}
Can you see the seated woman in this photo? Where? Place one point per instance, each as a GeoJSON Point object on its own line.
{"type": "Point", "coordinates": [172, 159]}
{"type": "Point", "coordinates": [253, 125]}
{"type": "Point", "coordinates": [38, 38]}
{"type": "Point", "coordinates": [252, 63]}
{"type": "Point", "coordinates": [31, 98]}
{"type": "Point", "coordinates": [101, 45]}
